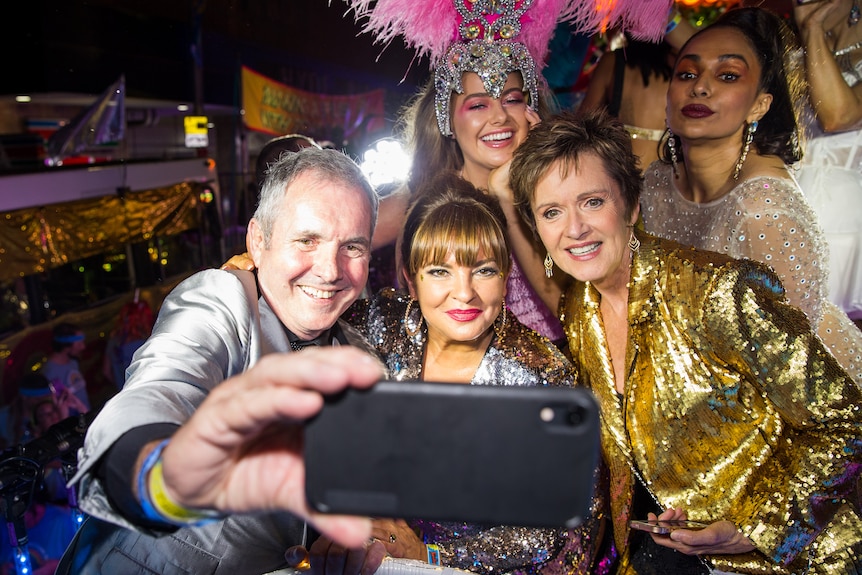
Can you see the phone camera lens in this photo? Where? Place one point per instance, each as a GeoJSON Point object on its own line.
{"type": "Point", "coordinates": [575, 416]}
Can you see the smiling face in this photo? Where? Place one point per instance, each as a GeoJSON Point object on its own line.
{"type": "Point", "coordinates": [460, 302]}
{"type": "Point", "coordinates": [488, 130]}
{"type": "Point", "coordinates": [714, 90]}
{"type": "Point", "coordinates": [316, 261]}
{"type": "Point", "coordinates": [581, 219]}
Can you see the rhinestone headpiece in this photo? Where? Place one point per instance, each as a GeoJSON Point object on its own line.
{"type": "Point", "coordinates": [495, 37]}
{"type": "Point", "coordinates": [488, 48]}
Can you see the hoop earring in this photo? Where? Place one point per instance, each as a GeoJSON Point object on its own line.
{"type": "Point", "coordinates": [416, 330]}
{"type": "Point", "coordinates": [500, 322]}
{"type": "Point", "coordinates": [634, 243]}
{"type": "Point", "coordinates": [674, 159]}
{"type": "Point", "coordinates": [855, 14]}
{"type": "Point", "coordinates": [549, 266]}
{"type": "Point", "coordinates": [749, 137]}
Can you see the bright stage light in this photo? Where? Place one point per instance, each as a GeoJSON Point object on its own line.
{"type": "Point", "coordinates": [385, 162]}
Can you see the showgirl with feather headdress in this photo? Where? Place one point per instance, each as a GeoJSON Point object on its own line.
{"type": "Point", "coordinates": [491, 40]}
{"type": "Point", "coordinates": [495, 37]}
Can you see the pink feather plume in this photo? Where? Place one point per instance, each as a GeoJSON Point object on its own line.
{"type": "Point", "coordinates": [430, 26]}
{"type": "Point", "coordinates": [427, 26]}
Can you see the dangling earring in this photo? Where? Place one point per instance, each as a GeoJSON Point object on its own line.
{"type": "Point", "coordinates": [549, 266]}
{"type": "Point", "coordinates": [749, 137]}
{"type": "Point", "coordinates": [674, 159]}
{"type": "Point", "coordinates": [416, 330]}
{"type": "Point", "coordinates": [634, 243]}
{"type": "Point", "coordinates": [500, 322]}
{"type": "Point", "coordinates": [855, 15]}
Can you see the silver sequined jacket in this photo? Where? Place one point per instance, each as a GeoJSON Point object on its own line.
{"type": "Point", "coordinates": [207, 331]}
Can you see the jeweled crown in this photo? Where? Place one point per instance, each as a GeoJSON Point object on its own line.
{"type": "Point", "coordinates": [487, 47]}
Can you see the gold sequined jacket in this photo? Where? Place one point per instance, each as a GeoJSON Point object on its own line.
{"type": "Point", "coordinates": [732, 410]}
{"type": "Point", "coordinates": [518, 356]}
{"type": "Point", "coordinates": [766, 219]}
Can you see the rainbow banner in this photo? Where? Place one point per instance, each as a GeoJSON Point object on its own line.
{"type": "Point", "coordinates": [278, 109]}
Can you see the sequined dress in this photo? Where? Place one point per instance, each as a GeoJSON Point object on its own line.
{"type": "Point", "coordinates": [528, 307]}
{"type": "Point", "coordinates": [731, 410]}
{"type": "Point", "coordinates": [521, 357]}
{"type": "Point", "coordinates": [768, 220]}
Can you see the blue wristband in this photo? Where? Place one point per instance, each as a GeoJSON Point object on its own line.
{"type": "Point", "coordinates": [143, 489]}
{"type": "Point", "coordinates": [673, 22]}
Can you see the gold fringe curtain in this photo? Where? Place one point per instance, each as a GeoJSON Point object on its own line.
{"type": "Point", "coordinates": [33, 240]}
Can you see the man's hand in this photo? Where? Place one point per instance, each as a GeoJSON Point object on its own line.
{"type": "Point", "coordinates": [720, 538]}
{"type": "Point", "coordinates": [242, 261]}
{"type": "Point", "coordinates": [399, 539]}
{"type": "Point", "coordinates": [329, 558]}
{"type": "Point", "coordinates": [242, 449]}
{"type": "Point", "coordinates": [68, 402]}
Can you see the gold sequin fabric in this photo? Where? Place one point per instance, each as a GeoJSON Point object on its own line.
{"type": "Point", "coordinates": [733, 410]}
{"type": "Point", "coordinates": [767, 220]}
{"type": "Point", "coordinates": [520, 357]}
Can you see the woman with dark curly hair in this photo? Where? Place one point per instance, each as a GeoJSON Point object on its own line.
{"type": "Point", "coordinates": [723, 184]}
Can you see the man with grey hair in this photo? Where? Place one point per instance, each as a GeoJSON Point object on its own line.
{"type": "Point", "coordinates": [196, 465]}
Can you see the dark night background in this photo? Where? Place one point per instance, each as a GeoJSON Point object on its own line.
{"type": "Point", "coordinates": [83, 46]}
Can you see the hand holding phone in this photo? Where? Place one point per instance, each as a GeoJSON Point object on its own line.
{"type": "Point", "coordinates": [664, 527]}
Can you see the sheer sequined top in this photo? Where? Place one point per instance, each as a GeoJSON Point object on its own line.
{"type": "Point", "coordinates": [520, 357]}
{"type": "Point", "coordinates": [768, 220]}
{"type": "Point", "coordinates": [731, 410]}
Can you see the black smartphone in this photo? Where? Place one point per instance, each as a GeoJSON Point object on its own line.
{"type": "Point", "coordinates": [665, 527]}
{"type": "Point", "coordinates": [500, 455]}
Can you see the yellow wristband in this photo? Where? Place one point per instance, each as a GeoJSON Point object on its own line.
{"type": "Point", "coordinates": [172, 511]}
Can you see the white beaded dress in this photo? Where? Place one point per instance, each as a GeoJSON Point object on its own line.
{"type": "Point", "coordinates": [764, 219]}
{"type": "Point", "coordinates": [830, 175]}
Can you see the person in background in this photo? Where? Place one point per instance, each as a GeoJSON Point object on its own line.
{"type": "Point", "coordinates": [134, 326]}
{"type": "Point", "coordinates": [268, 154]}
{"type": "Point", "coordinates": [62, 368]}
{"type": "Point", "coordinates": [631, 82]}
{"type": "Point", "coordinates": [48, 520]}
{"type": "Point", "coordinates": [452, 325]}
{"type": "Point", "coordinates": [274, 148]}
{"type": "Point", "coordinates": [46, 413]}
{"type": "Point", "coordinates": [723, 182]}
{"type": "Point", "coordinates": [196, 465]}
{"type": "Point", "coordinates": [719, 402]}
{"type": "Point", "coordinates": [830, 173]}
{"type": "Point", "coordinates": [34, 389]}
